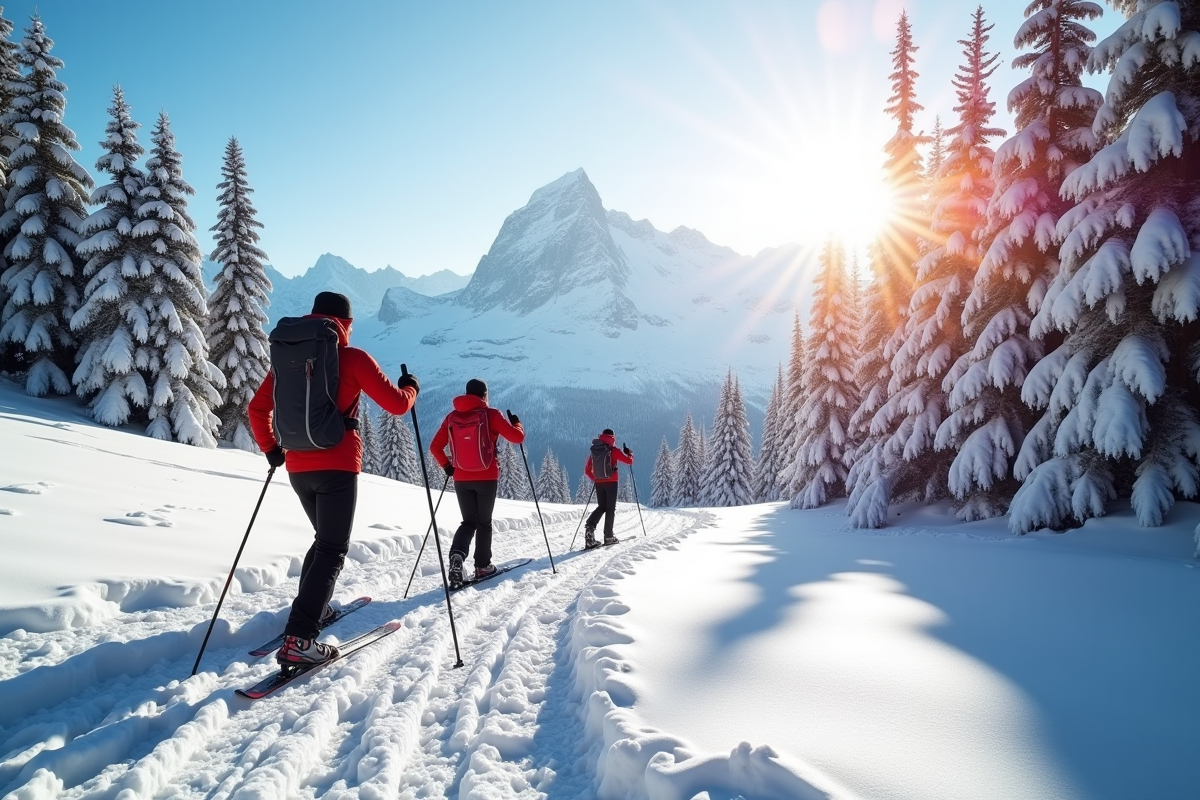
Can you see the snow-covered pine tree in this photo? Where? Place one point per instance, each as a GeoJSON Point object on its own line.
{"type": "Point", "coordinates": [111, 325]}
{"type": "Point", "coordinates": [548, 478]}
{"type": "Point", "coordinates": [688, 467]}
{"type": "Point", "coordinates": [854, 299]}
{"type": "Point", "coordinates": [937, 157]}
{"type": "Point", "coordinates": [789, 408]}
{"type": "Point", "coordinates": [368, 433]}
{"type": "Point", "coordinates": [583, 490]}
{"type": "Point", "coordinates": [398, 450]}
{"type": "Point", "coordinates": [184, 384]}
{"type": "Point", "coordinates": [818, 469]}
{"type": "Point", "coordinates": [237, 343]}
{"type": "Point", "coordinates": [882, 334]}
{"type": "Point", "coordinates": [1121, 392]}
{"type": "Point", "coordinates": [662, 478]}
{"type": "Point", "coordinates": [1054, 112]}
{"type": "Point", "coordinates": [702, 446]}
{"type": "Point", "coordinates": [10, 76]}
{"type": "Point", "coordinates": [910, 465]}
{"type": "Point", "coordinates": [893, 254]}
{"type": "Point", "coordinates": [44, 211]}
{"type": "Point", "coordinates": [729, 477]}
{"type": "Point", "coordinates": [770, 452]}
{"type": "Point", "coordinates": [625, 488]}
{"type": "Point", "coordinates": [564, 485]}
{"type": "Point", "coordinates": [513, 484]}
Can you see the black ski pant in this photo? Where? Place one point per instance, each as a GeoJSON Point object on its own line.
{"type": "Point", "coordinates": [476, 500]}
{"type": "Point", "coordinates": [606, 504]}
{"type": "Point", "coordinates": [328, 497]}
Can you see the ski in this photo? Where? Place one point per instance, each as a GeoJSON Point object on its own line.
{"type": "Point", "coordinates": [499, 571]}
{"type": "Point", "coordinates": [277, 642]}
{"type": "Point", "coordinates": [280, 679]}
{"type": "Point", "coordinates": [600, 544]}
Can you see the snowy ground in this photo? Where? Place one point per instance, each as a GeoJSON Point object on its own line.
{"type": "Point", "coordinates": [931, 659]}
{"type": "Point", "coordinates": [927, 660]}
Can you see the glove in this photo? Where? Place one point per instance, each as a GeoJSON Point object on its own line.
{"type": "Point", "coordinates": [449, 468]}
{"type": "Point", "coordinates": [513, 419]}
{"type": "Point", "coordinates": [627, 451]}
{"type": "Point", "coordinates": [409, 380]}
{"type": "Point", "coordinates": [275, 456]}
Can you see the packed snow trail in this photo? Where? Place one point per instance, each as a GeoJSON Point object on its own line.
{"type": "Point", "coordinates": [111, 709]}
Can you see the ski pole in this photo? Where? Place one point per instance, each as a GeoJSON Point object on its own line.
{"type": "Point", "coordinates": [229, 580]}
{"type": "Point", "coordinates": [635, 497]}
{"type": "Point", "coordinates": [425, 541]}
{"type": "Point", "coordinates": [532, 489]}
{"type": "Point", "coordinates": [581, 519]}
{"type": "Point", "coordinates": [437, 540]}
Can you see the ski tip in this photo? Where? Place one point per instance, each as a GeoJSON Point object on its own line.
{"type": "Point", "coordinates": [394, 625]}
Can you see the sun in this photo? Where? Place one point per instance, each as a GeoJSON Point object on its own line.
{"type": "Point", "coordinates": [844, 195]}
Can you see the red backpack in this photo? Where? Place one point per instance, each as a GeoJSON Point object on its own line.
{"type": "Point", "coordinates": [472, 447]}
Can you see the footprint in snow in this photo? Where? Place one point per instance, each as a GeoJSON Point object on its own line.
{"type": "Point", "coordinates": [27, 488]}
{"type": "Point", "coordinates": [7, 512]}
{"type": "Point", "coordinates": [383, 527]}
{"type": "Point", "coordinates": [144, 519]}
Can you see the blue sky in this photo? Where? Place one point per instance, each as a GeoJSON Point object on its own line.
{"type": "Point", "coordinates": [404, 133]}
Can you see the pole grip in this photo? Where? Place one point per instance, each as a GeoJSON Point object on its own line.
{"type": "Point", "coordinates": [403, 370]}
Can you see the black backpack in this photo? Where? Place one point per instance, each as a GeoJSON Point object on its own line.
{"type": "Point", "coordinates": [602, 460]}
{"type": "Point", "coordinates": [304, 361]}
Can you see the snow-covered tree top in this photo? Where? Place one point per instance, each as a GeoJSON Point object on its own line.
{"type": "Point", "coordinates": [974, 108]}
{"type": "Point", "coordinates": [902, 105]}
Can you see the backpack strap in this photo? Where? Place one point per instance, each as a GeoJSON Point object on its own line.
{"type": "Point", "coordinates": [350, 416]}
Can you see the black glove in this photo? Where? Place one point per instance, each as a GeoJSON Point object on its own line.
{"type": "Point", "coordinates": [627, 451]}
{"type": "Point", "coordinates": [409, 380]}
{"type": "Point", "coordinates": [275, 456]}
{"type": "Point", "coordinates": [513, 419]}
{"type": "Point", "coordinates": [449, 468]}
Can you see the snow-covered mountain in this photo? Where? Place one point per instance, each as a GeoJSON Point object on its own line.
{"type": "Point", "coordinates": [293, 296]}
{"type": "Point", "coordinates": [591, 319]}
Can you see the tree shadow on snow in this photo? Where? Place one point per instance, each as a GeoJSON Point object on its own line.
{"type": "Point", "coordinates": [1094, 641]}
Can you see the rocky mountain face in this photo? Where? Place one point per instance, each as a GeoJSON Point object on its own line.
{"type": "Point", "coordinates": [558, 244]}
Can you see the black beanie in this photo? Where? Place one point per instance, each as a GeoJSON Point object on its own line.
{"type": "Point", "coordinates": [332, 304]}
{"type": "Point", "coordinates": [607, 432]}
{"type": "Point", "coordinates": [476, 387]}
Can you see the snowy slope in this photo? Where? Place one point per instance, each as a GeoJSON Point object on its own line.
{"type": "Point", "coordinates": [933, 658]}
{"type": "Point", "coordinates": [96, 701]}
{"type": "Point", "coordinates": [755, 652]}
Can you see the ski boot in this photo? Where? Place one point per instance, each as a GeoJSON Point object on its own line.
{"type": "Point", "coordinates": [455, 575]}
{"type": "Point", "coordinates": [589, 538]}
{"type": "Point", "coordinates": [327, 616]}
{"type": "Point", "coordinates": [484, 572]}
{"type": "Point", "coordinates": [297, 654]}
{"type": "Point", "coordinates": [610, 539]}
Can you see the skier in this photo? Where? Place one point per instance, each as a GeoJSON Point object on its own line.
{"type": "Point", "coordinates": [472, 430]}
{"type": "Point", "coordinates": [601, 467]}
{"type": "Point", "coordinates": [322, 471]}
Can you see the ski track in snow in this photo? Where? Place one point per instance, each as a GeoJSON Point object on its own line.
{"type": "Point", "coordinates": [107, 711]}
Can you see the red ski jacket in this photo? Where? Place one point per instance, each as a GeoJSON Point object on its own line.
{"type": "Point", "coordinates": [619, 457]}
{"type": "Point", "coordinates": [497, 424]}
{"type": "Point", "coordinates": [357, 372]}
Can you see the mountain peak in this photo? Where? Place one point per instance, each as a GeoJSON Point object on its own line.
{"type": "Point", "coordinates": [558, 242]}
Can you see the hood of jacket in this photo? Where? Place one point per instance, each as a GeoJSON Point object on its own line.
{"type": "Point", "coordinates": [469, 402]}
{"type": "Point", "coordinates": [611, 441]}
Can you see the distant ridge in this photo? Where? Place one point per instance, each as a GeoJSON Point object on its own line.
{"type": "Point", "coordinates": [366, 290]}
